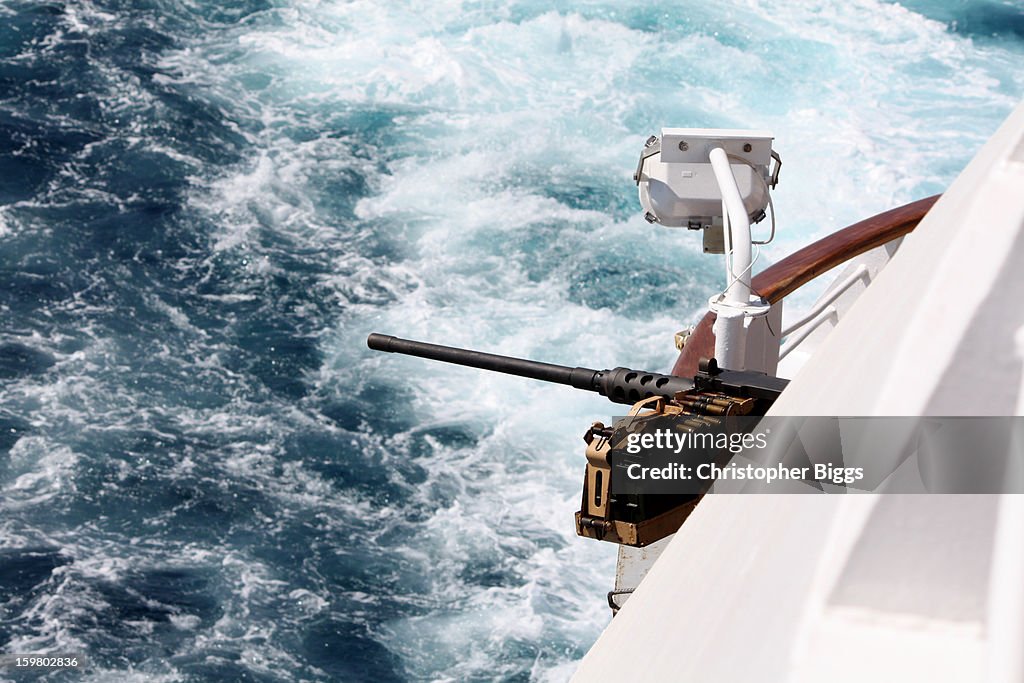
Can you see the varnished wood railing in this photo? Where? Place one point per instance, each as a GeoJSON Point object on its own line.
{"type": "Point", "coordinates": [800, 267]}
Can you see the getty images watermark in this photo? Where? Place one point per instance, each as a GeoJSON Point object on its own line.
{"type": "Point", "coordinates": [669, 455]}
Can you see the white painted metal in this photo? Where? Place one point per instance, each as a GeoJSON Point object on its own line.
{"type": "Point", "coordinates": [737, 226]}
{"type": "Point", "coordinates": [860, 272]}
{"type": "Point", "coordinates": [698, 142]}
{"type": "Point", "coordinates": [829, 313]}
{"type": "Point", "coordinates": [735, 308]}
{"type": "Point", "coordinates": [853, 588]}
{"type": "Point", "coordinates": [678, 188]}
{"type": "Point", "coordinates": [874, 260]}
{"type": "Point", "coordinates": [632, 566]}
{"type": "Point", "coordinates": [686, 195]}
{"type": "Point", "coordinates": [730, 338]}
{"type": "Point", "coordinates": [1005, 624]}
{"type": "Point", "coordinates": [762, 342]}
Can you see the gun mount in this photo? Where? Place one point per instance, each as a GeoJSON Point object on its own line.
{"type": "Point", "coordinates": [704, 402]}
{"type": "Point", "coordinates": [619, 385]}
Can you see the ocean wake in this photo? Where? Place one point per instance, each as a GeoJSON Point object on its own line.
{"type": "Point", "coordinates": [204, 209]}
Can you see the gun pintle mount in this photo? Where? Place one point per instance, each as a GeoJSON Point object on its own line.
{"type": "Point", "coordinates": [705, 401]}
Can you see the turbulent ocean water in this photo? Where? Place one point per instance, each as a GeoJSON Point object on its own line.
{"type": "Point", "coordinates": [206, 206]}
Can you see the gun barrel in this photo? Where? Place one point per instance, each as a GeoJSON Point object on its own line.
{"type": "Point", "coordinates": [620, 385]}
{"type": "Point", "coordinates": [581, 378]}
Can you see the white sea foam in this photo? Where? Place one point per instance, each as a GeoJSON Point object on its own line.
{"type": "Point", "coordinates": [851, 92]}
{"type": "Point", "coordinates": [486, 111]}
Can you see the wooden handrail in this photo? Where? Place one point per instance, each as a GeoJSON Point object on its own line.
{"type": "Point", "coordinates": [800, 267]}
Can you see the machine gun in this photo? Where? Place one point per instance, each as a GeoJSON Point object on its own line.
{"type": "Point", "coordinates": [706, 401]}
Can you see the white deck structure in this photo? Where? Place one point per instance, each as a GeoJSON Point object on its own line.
{"type": "Point", "coordinates": [866, 587]}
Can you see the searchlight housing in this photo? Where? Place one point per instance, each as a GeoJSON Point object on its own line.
{"type": "Point", "coordinates": [677, 184]}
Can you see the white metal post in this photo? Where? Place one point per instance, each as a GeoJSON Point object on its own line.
{"type": "Point", "coordinates": [738, 224]}
{"type": "Point", "coordinates": [730, 338]}
{"type": "Point", "coordinates": [735, 307]}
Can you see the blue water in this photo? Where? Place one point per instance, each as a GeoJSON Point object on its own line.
{"type": "Point", "coordinates": [206, 206]}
